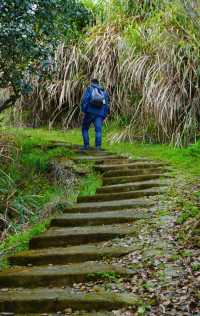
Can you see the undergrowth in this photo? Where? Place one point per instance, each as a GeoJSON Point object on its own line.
{"type": "Point", "coordinates": [90, 184]}
{"type": "Point", "coordinates": [19, 242]}
{"type": "Point", "coordinates": [28, 194]}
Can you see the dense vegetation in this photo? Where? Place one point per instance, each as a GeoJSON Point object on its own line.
{"type": "Point", "coordinates": [146, 54]}
{"type": "Point", "coordinates": [31, 187]}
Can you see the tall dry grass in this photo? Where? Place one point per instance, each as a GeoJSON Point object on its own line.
{"type": "Point", "coordinates": [150, 67]}
{"type": "Point", "coordinates": [57, 100]}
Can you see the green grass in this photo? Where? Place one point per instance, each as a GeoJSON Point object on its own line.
{"type": "Point", "coordinates": [19, 242]}
{"type": "Point", "coordinates": [90, 184]}
{"type": "Point", "coordinates": [188, 211]}
{"type": "Point", "coordinates": [185, 160]}
{"type": "Point", "coordinates": [196, 267]}
{"type": "Point", "coordinates": [34, 161]}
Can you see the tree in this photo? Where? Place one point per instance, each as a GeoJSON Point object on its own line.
{"type": "Point", "coordinates": [30, 30]}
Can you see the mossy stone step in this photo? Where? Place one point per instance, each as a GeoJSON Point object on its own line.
{"type": "Point", "coordinates": [122, 159]}
{"type": "Point", "coordinates": [112, 161]}
{"type": "Point", "coordinates": [67, 255]}
{"type": "Point", "coordinates": [109, 206]}
{"type": "Point", "coordinates": [134, 172]}
{"type": "Point", "coordinates": [120, 196]}
{"type": "Point", "coordinates": [59, 237]}
{"type": "Point", "coordinates": [94, 153]}
{"type": "Point", "coordinates": [81, 313]}
{"type": "Point", "coordinates": [46, 300]}
{"type": "Point", "coordinates": [137, 178]}
{"type": "Point", "coordinates": [104, 218]}
{"type": "Point", "coordinates": [132, 165]}
{"type": "Point", "coordinates": [100, 159]}
{"type": "Point", "coordinates": [59, 275]}
{"type": "Point", "coordinates": [126, 187]}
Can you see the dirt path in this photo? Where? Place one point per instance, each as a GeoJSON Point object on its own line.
{"type": "Point", "coordinates": [114, 253]}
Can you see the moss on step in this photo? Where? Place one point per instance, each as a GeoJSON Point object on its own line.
{"type": "Point", "coordinates": [59, 237]}
{"type": "Point", "coordinates": [110, 205]}
{"type": "Point", "coordinates": [53, 300]}
{"type": "Point", "coordinates": [72, 254]}
{"type": "Point", "coordinates": [121, 195]}
{"type": "Point", "coordinates": [132, 179]}
{"type": "Point", "coordinates": [59, 275]}
{"type": "Point", "coordinates": [98, 218]}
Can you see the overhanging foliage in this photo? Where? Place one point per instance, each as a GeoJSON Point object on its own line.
{"type": "Point", "coordinates": [30, 30]}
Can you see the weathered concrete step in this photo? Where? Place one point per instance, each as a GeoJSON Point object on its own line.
{"type": "Point", "coordinates": [94, 153]}
{"type": "Point", "coordinates": [132, 165]}
{"type": "Point", "coordinates": [120, 160]}
{"type": "Point", "coordinates": [59, 275]}
{"type": "Point", "coordinates": [128, 179]}
{"type": "Point", "coordinates": [101, 158]}
{"type": "Point", "coordinates": [134, 172]}
{"type": "Point", "coordinates": [67, 255]}
{"type": "Point", "coordinates": [46, 300]}
{"type": "Point", "coordinates": [104, 218]}
{"type": "Point", "coordinates": [59, 237]}
{"type": "Point", "coordinates": [109, 206]}
{"type": "Point", "coordinates": [120, 195]}
{"type": "Point", "coordinates": [80, 313]}
{"type": "Point", "coordinates": [131, 186]}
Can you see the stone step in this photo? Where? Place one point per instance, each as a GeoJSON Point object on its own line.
{"type": "Point", "coordinates": [109, 206]}
{"type": "Point", "coordinates": [100, 159]}
{"type": "Point", "coordinates": [134, 172]}
{"type": "Point", "coordinates": [113, 161]}
{"type": "Point", "coordinates": [120, 195]}
{"type": "Point", "coordinates": [94, 153]}
{"type": "Point", "coordinates": [121, 159]}
{"type": "Point", "coordinates": [60, 237]}
{"type": "Point", "coordinates": [59, 275]}
{"type": "Point", "coordinates": [132, 165]}
{"type": "Point", "coordinates": [104, 218]}
{"type": "Point", "coordinates": [131, 186]}
{"type": "Point", "coordinates": [67, 255]}
{"type": "Point", "coordinates": [46, 300]}
{"type": "Point", "coordinates": [128, 179]}
{"type": "Point", "coordinates": [80, 313]}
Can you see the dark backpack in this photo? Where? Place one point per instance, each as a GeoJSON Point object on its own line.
{"type": "Point", "coordinates": [97, 98]}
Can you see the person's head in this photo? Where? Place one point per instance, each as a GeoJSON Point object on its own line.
{"type": "Point", "coordinates": [94, 81]}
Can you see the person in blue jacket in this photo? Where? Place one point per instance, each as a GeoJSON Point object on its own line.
{"type": "Point", "coordinates": [95, 106]}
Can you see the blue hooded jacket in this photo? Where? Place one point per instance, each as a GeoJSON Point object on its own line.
{"type": "Point", "coordinates": [86, 106]}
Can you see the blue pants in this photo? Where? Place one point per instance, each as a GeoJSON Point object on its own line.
{"type": "Point", "coordinates": [98, 122]}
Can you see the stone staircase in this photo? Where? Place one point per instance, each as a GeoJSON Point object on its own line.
{"type": "Point", "coordinates": [40, 280]}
